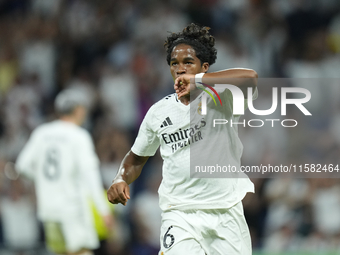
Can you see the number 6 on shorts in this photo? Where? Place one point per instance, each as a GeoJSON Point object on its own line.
{"type": "Point", "coordinates": [165, 239]}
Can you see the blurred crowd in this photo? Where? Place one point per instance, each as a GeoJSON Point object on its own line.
{"type": "Point", "coordinates": [112, 52]}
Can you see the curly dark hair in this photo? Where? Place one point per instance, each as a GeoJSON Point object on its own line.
{"type": "Point", "coordinates": [198, 38]}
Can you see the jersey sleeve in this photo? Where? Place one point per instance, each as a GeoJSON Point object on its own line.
{"type": "Point", "coordinates": [88, 164]}
{"type": "Point", "coordinates": [147, 142]}
{"type": "Point", "coordinates": [26, 161]}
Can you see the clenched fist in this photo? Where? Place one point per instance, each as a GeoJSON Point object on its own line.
{"type": "Point", "coordinates": [119, 192]}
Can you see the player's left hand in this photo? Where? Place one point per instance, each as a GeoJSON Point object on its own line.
{"type": "Point", "coordinates": [184, 84]}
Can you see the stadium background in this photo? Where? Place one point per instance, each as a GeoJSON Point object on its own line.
{"type": "Point", "coordinates": [112, 52]}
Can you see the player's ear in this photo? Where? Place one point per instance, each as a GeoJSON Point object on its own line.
{"type": "Point", "coordinates": [205, 67]}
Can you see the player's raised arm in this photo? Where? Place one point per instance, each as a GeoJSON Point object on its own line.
{"type": "Point", "coordinates": [129, 170]}
{"type": "Point", "coordinates": [241, 77]}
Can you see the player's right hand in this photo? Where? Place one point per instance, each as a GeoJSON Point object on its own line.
{"type": "Point", "coordinates": [183, 85]}
{"type": "Point", "coordinates": [119, 192]}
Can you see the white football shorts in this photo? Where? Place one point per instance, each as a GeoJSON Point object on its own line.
{"type": "Point", "coordinates": [208, 231]}
{"type": "Point", "coordinates": [71, 235]}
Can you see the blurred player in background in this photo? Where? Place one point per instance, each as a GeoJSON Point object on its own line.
{"type": "Point", "coordinates": [61, 159]}
{"type": "Point", "coordinates": [200, 215]}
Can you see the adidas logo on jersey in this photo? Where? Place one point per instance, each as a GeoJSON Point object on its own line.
{"type": "Point", "coordinates": [166, 122]}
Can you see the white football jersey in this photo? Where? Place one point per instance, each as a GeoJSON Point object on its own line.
{"type": "Point", "coordinates": [180, 130]}
{"type": "Point", "coordinates": [61, 159]}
